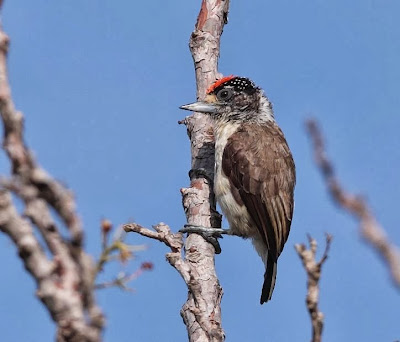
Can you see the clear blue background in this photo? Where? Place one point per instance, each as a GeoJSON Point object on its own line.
{"type": "Point", "coordinates": [100, 83]}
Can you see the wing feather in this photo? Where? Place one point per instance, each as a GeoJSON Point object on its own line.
{"type": "Point", "coordinates": [260, 168]}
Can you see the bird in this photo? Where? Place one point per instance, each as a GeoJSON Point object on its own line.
{"type": "Point", "coordinates": [254, 176]}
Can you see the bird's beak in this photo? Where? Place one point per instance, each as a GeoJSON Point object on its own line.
{"type": "Point", "coordinates": [201, 107]}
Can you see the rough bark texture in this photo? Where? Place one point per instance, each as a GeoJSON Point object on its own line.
{"type": "Point", "coordinates": [313, 269]}
{"type": "Point", "coordinates": [370, 229]}
{"type": "Point", "coordinates": [202, 311]}
{"type": "Point", "coordinates": [63, 275]}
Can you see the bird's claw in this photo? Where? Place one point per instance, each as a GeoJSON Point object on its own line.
{"type": "Point", "coordinates": [209, 234]}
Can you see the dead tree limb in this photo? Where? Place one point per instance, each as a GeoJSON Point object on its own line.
{"type": "Point", "coordinates": [64, 278]}
{"type": "Point", "coordinates": [199, 199]}
{"type": "Point", "coordinates": [313, 269]}
{"type": "Point", "coordinates": [202, 311]}
{"type": "Point", "coordinates": [163, 234]}
{"type": "Point", "coordinates": [370, 229]}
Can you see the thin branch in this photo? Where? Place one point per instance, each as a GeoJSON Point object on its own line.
{"type": "Point", "coordinates": [163, 234]}
{"type": "Point", "coordinates": [372, 232]}
{"type": "Point", "coordinates": [123, 279]}
{"type": "Point", "coordinates": [106, 227]}
{"type": "Point", "coordinates": [104, 257]}
{"type": "Point", "coordinates": [125, 254]}
{"type": "Point", "coordinates": [313, 269]}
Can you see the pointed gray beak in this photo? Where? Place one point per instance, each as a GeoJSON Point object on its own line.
{"type": "Point", "coordinates": [201, 107]}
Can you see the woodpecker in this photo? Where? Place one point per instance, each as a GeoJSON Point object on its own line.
{"type": "Point", "coordinates": [254, 169]}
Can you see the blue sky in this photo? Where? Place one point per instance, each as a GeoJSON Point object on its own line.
{"type": "Point", "coordinates": [100, 83]}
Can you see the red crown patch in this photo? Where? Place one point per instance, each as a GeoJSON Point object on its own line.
{"type": "Point", "coordinates": [218, 83]}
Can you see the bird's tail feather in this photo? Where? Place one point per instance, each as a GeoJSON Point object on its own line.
{"type": "Point", "coordinates": [269, 279]}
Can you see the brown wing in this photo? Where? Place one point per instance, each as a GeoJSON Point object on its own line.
{"type": "Point", "coordinates": [258, 163]}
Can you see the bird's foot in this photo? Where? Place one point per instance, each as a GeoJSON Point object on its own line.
{"type": "Point", "coordinates": [211, 235]}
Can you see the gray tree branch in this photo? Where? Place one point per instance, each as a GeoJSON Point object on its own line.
{"type": "Point", "coordinates": [202, 311]}
{"type": "Point", "coordinates": [370, 229]}
{"type": "Point", "coordinates": [64, 279]}
{"type": "Point", "coordinates": [313, 269]}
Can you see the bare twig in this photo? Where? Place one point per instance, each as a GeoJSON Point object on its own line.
{"type": "Point", "coordinates": [370, 229]}
{"type": "Point", "coordinates": [163, 234]}
{"type": "Point", "coordinates": [105, 257]}
{"type": "Point", "coordinates": [125, 253]}
{"type": "Point", "coordinates": [64, 280]}
{"type": "Point", "coordinates": [123, 279]}
{"type": "Point", "coordinates": [106, 227]}
{"type": "Point", "coordinates": [313, 269]}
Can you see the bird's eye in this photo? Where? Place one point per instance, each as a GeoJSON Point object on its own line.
{"type": "Point", "coordinates": [224, 94]}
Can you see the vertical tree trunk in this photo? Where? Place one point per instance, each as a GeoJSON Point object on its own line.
{"type": "Point", "coordinates": [202, 311]}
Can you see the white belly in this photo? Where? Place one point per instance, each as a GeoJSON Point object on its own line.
{"type": "Point", "coordinates": [239, 221]}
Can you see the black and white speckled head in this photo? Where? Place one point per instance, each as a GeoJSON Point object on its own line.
{"type": "Point", "coordinates": [238, 84]}
{"type": "Point", "coordinates": [234, 98]}
{"type": "Point", "coordinates": [238, 98]}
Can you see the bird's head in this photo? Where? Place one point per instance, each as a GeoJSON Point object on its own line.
{"type": "Point", "coordinates": [234, 98]}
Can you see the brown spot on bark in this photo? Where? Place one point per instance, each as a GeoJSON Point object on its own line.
{"type": "Point", "coordinates": [194, 210]}
{"type": "Point", "coordinates": [201, 19]}
{"type": "Point", "coordinates": [210, 132]}
{"type": "Point", "coordinates": [192, 249]}
{"type": "Point", "coordinates": [198, 184]}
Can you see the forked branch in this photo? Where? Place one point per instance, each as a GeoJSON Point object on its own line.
{"type": "Point", "coordinates": [313, 269]}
